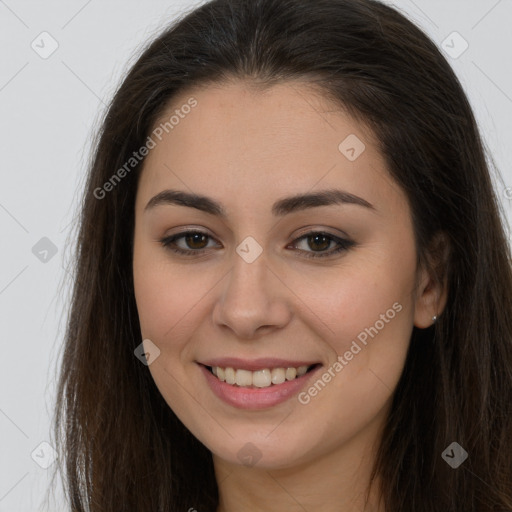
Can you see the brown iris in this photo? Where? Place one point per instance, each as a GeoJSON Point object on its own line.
{"type": "Point", "coordinates": [315, 238]}
{"type": "Point", "coordinates": [194, 238]}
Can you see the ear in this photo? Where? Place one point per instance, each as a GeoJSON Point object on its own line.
{"type": "Point", "coordinates": [432, 282]}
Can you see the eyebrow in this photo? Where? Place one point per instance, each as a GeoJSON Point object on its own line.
{"type": "Point", "coordinates": [281, 207]}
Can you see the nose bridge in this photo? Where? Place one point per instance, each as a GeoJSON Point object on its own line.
{"type": "Point", "coordinates": [248, 283]}
{"type": "Point", "coordinates": [251, 296]}
{"type": "Point", "coordinates": [250, 265]}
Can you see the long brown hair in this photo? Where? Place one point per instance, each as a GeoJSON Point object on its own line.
{"type": "Point", "coordinates": [123, 447]}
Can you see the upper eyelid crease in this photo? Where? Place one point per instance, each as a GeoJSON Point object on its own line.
{"type": "Point", "coordinates": [280, 208]}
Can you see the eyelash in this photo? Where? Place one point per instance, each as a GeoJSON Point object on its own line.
{"type": "Point", "coordinates": [344, 244]}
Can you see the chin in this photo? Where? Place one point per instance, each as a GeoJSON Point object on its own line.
{"type": "Point", "coordinates": [257, 449]}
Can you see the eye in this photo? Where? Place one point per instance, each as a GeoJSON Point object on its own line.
{"type": "Point", "coordinates": [196, 243]}
{"type": "Point", "coordinates": [319, 241]}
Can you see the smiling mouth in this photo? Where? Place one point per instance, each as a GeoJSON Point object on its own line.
{"type": "Point", "coordinates": [263, 378]}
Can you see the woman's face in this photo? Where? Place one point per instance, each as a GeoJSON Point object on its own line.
{"type": "Point", "coordinates": [283, 180]}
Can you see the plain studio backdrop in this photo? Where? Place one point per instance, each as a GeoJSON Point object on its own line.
{"type": "Point", "coordinates": [61, 63]}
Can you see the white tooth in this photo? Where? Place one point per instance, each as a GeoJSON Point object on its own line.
{"type": "Point", "coordinates": [278, 376]}
{"type": "Point", "coordinates": [243, 377]}
{"type": "Point", "coordinates": [291, 373]}
{"type": "Point", "coordinates": [229, 374]}
{"type": "Point", "coordinates": [301, 370]}
{"type": "Point", "coordinates": [261, 378]}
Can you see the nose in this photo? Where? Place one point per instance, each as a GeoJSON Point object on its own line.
{"type": "Point", "coordinates": [253, 299]}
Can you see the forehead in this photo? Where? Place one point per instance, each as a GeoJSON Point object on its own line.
{"type": "Point", "coordinates": [252, 143]}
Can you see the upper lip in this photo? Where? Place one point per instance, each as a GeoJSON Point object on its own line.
{"type": "Point", "coordinates": [256, 364]}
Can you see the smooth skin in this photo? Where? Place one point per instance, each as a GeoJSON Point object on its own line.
{"type": "Point", "coordinates": [246, 149]}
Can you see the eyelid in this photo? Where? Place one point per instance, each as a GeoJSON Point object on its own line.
{"type": "Point", "coordinates": [168, 239]}
{"type": "Point", "coordinates": [314, 228]}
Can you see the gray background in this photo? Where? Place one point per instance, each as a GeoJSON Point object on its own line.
{"type": "Point", "coordinates": [49, 109]}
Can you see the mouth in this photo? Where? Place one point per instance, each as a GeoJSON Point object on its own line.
{"type": "Point", "coordinates": [261, 378]}
{"type": "Point", "coordinates": [257, 385]}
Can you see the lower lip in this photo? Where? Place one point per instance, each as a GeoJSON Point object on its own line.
{"type": "Point", "coordinates": [256, 398]}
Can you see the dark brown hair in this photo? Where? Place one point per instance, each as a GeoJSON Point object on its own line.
{"type": "Point", "coordinates": [123, 447]}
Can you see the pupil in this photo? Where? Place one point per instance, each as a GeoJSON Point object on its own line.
{"type": "Point", "coordinates": [316, 237]}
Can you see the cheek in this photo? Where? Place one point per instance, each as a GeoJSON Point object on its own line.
{"type": "Point", "coordinates": [364, 312]}
{"type": "Point", "coordinates": [171, 298]}
{"type": "Point", "coordinates": [167, 303]}
{"type": "Point", "coordinates": [350, 299]}
{"type": "Point", "coordinates": [163, 296]}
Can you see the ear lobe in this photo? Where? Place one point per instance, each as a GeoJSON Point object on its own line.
{"type": "Point", "coordinates": [432, 290]}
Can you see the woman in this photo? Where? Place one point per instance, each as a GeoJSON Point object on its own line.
{"type": "Point", "coordinates": [339, 340]}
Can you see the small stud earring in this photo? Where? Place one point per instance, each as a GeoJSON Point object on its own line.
{"type": "Point", "coordinates": [434, 318]}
